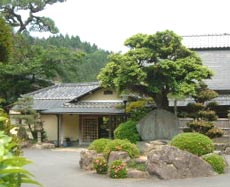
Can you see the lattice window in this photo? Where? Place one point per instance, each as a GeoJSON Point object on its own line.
{"type": "Point", "coordinates": [89, 129]}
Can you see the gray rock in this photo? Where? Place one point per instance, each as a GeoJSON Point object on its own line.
{"type": "Point", "coordinates": [227, 151]}
{"type": "Point", "coordinates": [134, 173]}
{"type": "Point", "coordinates": [146, 146]}
{"type": "Point", "coordinates": [118, 155]}
{"type": "Point", "coordinates": [87, 157]}
{"type": "Point", "coordinates": [158, 124]}
{"type": "Point", "coordinates": [173, 163]}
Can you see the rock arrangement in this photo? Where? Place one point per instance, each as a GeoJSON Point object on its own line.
{"type": "Point", "coordinates": [172, 163]}
{"type": "Point", "coordinates": [163, 162]}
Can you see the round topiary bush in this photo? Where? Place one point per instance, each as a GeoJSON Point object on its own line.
{"type": "Point", "coordinates": [195, 143]}
{"type": "Point", "coordinates": [118, 169]}
{"type": "Point", "coordinates": [128, 131]}
{"type": "Point", "coordinates": [99, 145]}
{"type": "Point", "coordinates": [216, 161]}
{"type": "Point", "coordinates": [121, 145]}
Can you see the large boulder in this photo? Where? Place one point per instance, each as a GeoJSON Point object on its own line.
{"type": "Point", "coordinates": [172, 163]}
{"type": "Point", "coordinates": [87, 157]}
{"type": "Point", "coordinates": [118, 155]}
{"type": "Point", "coordinates": [158, 124]}
{"type": "Point", "coordinates": [146, 146]}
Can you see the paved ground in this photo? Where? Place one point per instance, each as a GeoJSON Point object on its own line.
{"type": "Point", "coordinates": [59, 168]}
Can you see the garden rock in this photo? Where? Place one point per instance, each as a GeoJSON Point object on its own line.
{"type": "Point", "coordinates": [118, 155]}
{"type": "Point", "coordinates": [134, 173]}
{"type": "Point", "coordinates": [158, 124]}
{"type": "Point", "coordinates": [227, 151]}
{"type": "Point", "coordinates": [146, 146]}
{"type": "Point", "coordinates": [87, 157]}
{"type": "Point", "coordinates": [172, 163]}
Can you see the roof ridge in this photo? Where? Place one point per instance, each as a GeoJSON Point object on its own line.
{"type": "Point", "coordinates": [202, 35]}
{"type": "Point", "coordinates": [78, 84]}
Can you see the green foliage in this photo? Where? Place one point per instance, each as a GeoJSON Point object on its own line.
{"type": "Point", "coordinates": [136, 165]}
{"type": "Point", "coordinates": [100, 165]}
{"type": "Point", "coordinates": [99, 145]}
{"type": "Point", "coordinates": [195, 143]}
{"type": "Point", "coordinates": [127, 130]}
{"type": "Point", "coordinates": [121, 145]}
{"type": "Point", "coordinates": [29, 117]}
{"type": "Point", "coordinates": [208, 115]}
{"type": "Point", "coordinates": [138, 109]}
{"type": "Point", "coordinates": [6, 41]}
{"type": "Point", "coordinates": [118, 169]}
{"type": "Point", "coordinates": [12, 172]}
{"type": "Point", "coordinates": [6, 127]}
{"type": "Point", "coordinates": [30, 21]}
{"type": "Point", "coordinates": [216, 161]}
{"type": "Point", "coordinates": [200, 126]}
{"type": "Point", "coordinates": [156, 65]}
{"type": "Point", "coordinates": [215, 132]}
{"type": "Point", "coordinates": [202, 112]}
{"type": "Point", "coordinates": [37, 63]}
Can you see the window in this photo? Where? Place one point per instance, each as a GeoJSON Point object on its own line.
{"type": "Point", "coordinates": [108, 92]}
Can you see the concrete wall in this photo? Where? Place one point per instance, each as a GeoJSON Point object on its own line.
{"type": "Point", "coordinates": [50, 126]}
{"type": "Point", "coordinates": [99, 95]}
{"type": "Point", "coordinates": [70, 126]}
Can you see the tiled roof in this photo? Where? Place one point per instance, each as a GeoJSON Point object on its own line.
{"type": "Point", "coordinates": [65, 91]}
{"type": "Point", "coordinates": [62, 98]}
{"type": "Point", "coordinates": [207, 41]}
{"type": "Point", "coordinates": [221, 100]}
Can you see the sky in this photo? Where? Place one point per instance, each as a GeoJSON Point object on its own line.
{"type": "Point", "coordinates": [108, 23]}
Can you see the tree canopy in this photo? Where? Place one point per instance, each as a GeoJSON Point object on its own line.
{"type": "Point", "coordinates": [11, 11]}
{"type": "Point", "coordinates": [156, 65]}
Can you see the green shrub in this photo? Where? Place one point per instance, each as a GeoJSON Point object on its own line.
{"type": "Point", "coordinates": [216, 161]}
{"type": "Point", "coordinates": [136, 165]}
{"type": "Point", "coordinates": [195, 143]}
{"type": "Point", "coordinates": [128, 131]}
{"type": "Point", "coordinates": [118, 169]}
{"type": "Point", "coordinates": [215, 132]}
{"type": "Point", "coordinates": [99, 145]}
{"type": "Point", "coordinates": [200, 126]}
{"type": "Point", "coordinates": [100, 165]}
{"type": "Point", "coordinates": [121, 145]}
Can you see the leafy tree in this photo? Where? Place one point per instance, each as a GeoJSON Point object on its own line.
{"type": "Point", "coordinates": [11, 11]}
{"type": "Point", "coordinates": [156, 65]}
{"type": "Point", "coordinates": [5, 41]}
{"type": "Point", "coordinates": [29, 117]}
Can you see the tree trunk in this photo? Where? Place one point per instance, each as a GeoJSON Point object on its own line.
{"type": "Point", "coordinates": [161, 101]}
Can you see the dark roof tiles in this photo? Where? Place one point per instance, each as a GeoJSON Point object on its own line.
{"type": "Point", "coordinates": [65, 91]}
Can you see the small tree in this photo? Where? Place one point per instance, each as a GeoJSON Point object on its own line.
{"type": "Point", "coordinates": [202, 112]}
{"type": "Point", "coordinates": [29, 117]}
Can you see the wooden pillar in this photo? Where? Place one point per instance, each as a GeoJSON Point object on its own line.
{"type": "Point", "coordinates": [110, 127]}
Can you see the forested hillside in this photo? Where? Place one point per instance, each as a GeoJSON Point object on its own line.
{"type": "Point", "coordinates": [92, 58]}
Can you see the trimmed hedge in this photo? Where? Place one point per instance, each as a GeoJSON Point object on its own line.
{"type": "Point", "coordinates": [99, 145]}
{"type": "Point", "coordinates": [121, 145]}
{"type": "Point", "coordinates": [128, 131]}
{"type": "Point", "coordinates": [216, 161]}
{"type": "Point", "coordinates": [195, 143]}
